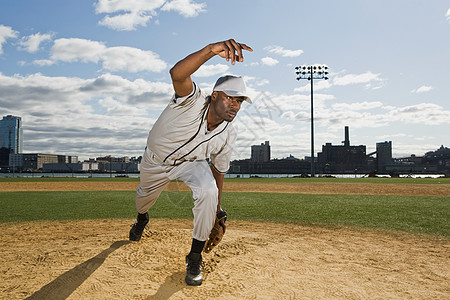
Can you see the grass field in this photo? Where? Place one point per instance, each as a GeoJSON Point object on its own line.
{"type": "Point", "coordinates": [368, 238]}
{"type": "Point", "coordinates": [416, 214]}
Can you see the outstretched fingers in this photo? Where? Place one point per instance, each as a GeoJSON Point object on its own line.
{"type": "Point", "coordinates": [232, 50]}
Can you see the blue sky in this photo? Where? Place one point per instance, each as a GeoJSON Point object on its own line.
{"type": "Point", "coordinates": [89, 78]}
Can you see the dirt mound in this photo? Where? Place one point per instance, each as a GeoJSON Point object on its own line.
{"type": "Point", "coordinates": [94, 260]}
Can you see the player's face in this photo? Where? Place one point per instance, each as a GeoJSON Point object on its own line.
{"type": "Point", "coordinates": [226, 107]}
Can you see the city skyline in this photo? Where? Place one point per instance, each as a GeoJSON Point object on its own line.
{"type": "Point", "coordinates": [346, 141]}
{"type": "Point", "coordinates": [89, 78]}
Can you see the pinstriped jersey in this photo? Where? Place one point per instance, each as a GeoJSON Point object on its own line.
{"type": "Point", "coordinates": [180, 133]}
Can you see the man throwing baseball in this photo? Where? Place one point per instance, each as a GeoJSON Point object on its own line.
{"type": "Point", "coordinates": [192, 128]}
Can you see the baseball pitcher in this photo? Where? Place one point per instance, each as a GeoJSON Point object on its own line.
{"type": "Point", "coordinates": [192, 128]}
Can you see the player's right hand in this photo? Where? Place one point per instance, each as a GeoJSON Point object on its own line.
{"type": "Point", "coordinates": [230, 50]}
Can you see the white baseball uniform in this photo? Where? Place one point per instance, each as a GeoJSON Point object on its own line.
{"type": "Point", "coordinates": [177, 148]}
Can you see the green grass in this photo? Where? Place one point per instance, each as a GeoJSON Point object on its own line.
{"type": "Point", "coordinates": [415, 214]}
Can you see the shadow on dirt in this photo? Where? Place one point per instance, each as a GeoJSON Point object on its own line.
{"type": "Point", "coordinates": [65, 284]}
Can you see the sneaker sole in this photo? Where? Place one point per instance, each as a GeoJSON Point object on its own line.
{"type": "Point", "coordinates": [193, 282]}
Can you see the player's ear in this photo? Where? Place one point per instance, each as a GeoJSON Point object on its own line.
{"type": "Point", "coordinates": [214, 95]}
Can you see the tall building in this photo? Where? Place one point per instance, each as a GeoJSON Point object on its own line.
{"type": "Point", "coordinates": [11, 141]}
{"type": "Point", "coordinates": [384, 155]}
{"type": "Point", "coordinates": [261, 153]}
{"type": "Point", "coordinates": [11, 134]}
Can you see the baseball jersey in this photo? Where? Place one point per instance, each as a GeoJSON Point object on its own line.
{"type": "Point", "coordinates": [180, 134]}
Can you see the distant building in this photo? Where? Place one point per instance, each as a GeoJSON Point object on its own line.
{"type": "Point", "coordinates": [4, 158]}
{"type": "Point", "coordinates": [439, 158]}
{"type": "Point", "coordinates": [289, 165]}
{"type": "Point", "coordinates": [261, 153]}
{"type": "Point", "coordinates": [11, 134]}
{"type": "Point", "coordinates": [260, 163]}
{"type": "Point", "coordinates": [343, 158]}
{"type": "Point", "coordinates": [11, 138]}
{"type": "Point", "coordinates": [408, 165]}
{"type": "Point", "coordinates": [36, 161]}
{"type": "Point", "coordinates": [111, 159]}
{"type": "Point", "coordinates": [65, 167]}
{"type": "Point", "coordinates": [384, 156]}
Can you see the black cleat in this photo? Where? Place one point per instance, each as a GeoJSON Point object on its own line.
{"type": "Point", "coordinates": [138, 227]}
{"type": "Point", "coordinates": [194, 269]}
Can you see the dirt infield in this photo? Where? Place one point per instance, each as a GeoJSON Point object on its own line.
{"type": "Point", "coordinates": [94, 260]}
{"type": "Point", "coordinates": [275, 187]}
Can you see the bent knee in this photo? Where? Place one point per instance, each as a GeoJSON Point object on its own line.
{"type": "Point", "coordinates": [208, 195]}
{"type": "Point", "coordinates": [208, 192]}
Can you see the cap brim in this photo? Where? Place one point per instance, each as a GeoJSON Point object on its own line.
{"type": "Point", "coordinates": [237, 94]}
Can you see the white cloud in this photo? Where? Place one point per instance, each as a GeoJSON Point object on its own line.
{"type": "Point", "coordinates": [129, 14]}
{"type": "Point", "coordinates": [334, 120]}
{"type": "Point", "coordinates": [358, 119]}
{"type": "Point", "coordinates": [262, 82]}
{"type": "Point", "coordinates": [114, 6]}
{"type": "Point", "coordinates": [283, 103]}
{"type": "Point", "coordinates": [104, 115]}
{"type": "Point", "coordinates": [269, 61]}
{"type": "Point", "coordinates": [447, 15]}
{"type": "Point", "coordinates": [211, 70]}
{"type": "Point", "coordinates": [131, 60]}
{"type": "Point", "coordinates": [318, 85]}
{"type": "Point", "coordinates": [365, 114]}
{"type": "Point", "coordinates": [112, 58]}
{"type": "Point", "coordinates": [32, 42]}
{"type": "Point", "coordinates": [186, 8]}
{"type": "Point", "coordinates": [126, 21]}
{"type": "Point", "coordinates": [6, 32]}
{"type": "Point", "coordinates": [74, 49]}
{"type": "Point", "coordinates": [423, 113]}
{"type": "Point", "coordinates": [263, 123]}
{"type": "Point", "coordinates": [43, 62]}
{"type": "Point", "coordinates": [392, 135]}
{"type": "Point", "coordinates": [422, 89]}
{"type": "Point", "coordinates": [357, 106]}
{"type": "Point", "coordinates": [356, 78]}
{"type": "Point", "coordinates": [114, 107]}
{"type": "Point", "coordinates": [283, 52]}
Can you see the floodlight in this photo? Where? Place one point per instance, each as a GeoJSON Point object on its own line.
{"type": "Point", "coordinates": [310, 73]}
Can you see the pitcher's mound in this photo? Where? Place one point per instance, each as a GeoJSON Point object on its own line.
{"type": "Point", "coordinates": [94, 260]}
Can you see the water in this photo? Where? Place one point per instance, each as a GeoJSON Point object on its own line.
{"type": "Point", "coordinates": [330, 175]}
{"type": "Point", "coordinates": [74, 175]}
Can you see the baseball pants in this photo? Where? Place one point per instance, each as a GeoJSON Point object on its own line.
{"type": "Point", "coordinates": [197, 175]}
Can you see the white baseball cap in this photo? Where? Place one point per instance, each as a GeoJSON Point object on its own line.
{"type": "Point", "coordinates": [233, 86]}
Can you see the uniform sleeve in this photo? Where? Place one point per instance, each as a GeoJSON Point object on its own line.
{"type": "Point", "coordinates": [221, 159]}
{"type": "Point", "coordinates": [186, 100]}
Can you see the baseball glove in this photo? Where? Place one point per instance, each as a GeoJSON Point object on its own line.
{"type": "Point", "coordinates": [217, 231]}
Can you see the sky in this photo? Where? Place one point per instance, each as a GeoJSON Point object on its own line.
{"type": "Point", "coordinates": [90, 78]}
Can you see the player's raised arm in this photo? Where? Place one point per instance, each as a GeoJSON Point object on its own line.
{"type": "Point", "coordinates": [182, 71]}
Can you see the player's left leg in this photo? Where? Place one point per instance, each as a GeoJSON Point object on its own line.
{"type": "Point", "coordinates": [199, 178]}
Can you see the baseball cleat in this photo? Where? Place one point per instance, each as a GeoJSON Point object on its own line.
{"type": "Point", "coordinates": [138, 227]}
{"type": "Point", "coordinates": [194, 269]}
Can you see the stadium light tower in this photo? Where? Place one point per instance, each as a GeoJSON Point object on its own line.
{"type": "Point", "coordinates": [311, 73]}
